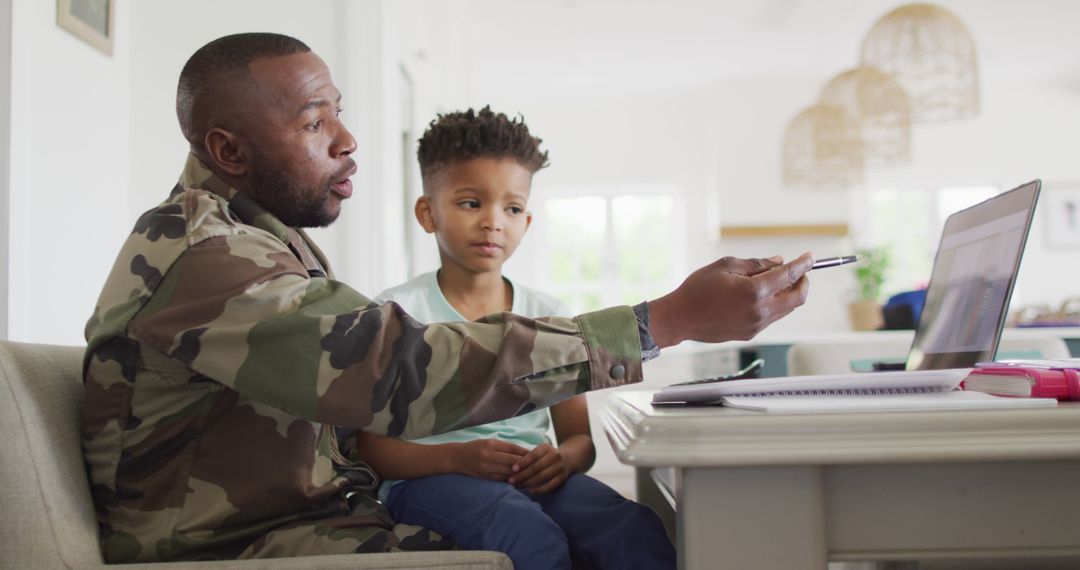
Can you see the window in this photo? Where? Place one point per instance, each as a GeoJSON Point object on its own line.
{"type": "Point", "coordinates": [604, 246]}
{"type": "Point", "coordinates": [909, 223]}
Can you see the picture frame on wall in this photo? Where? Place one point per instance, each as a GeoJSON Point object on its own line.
{"type": "Point", "coordinates": [1061, 209]}
{"type": "Point", "coordinates": [90, 20]}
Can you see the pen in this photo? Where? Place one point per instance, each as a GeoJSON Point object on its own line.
{"type": "Point", "coordinates": [834, 261]}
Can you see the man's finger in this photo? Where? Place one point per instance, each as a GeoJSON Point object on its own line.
{"type": "Point", "coordinates": [789, 299]}
{"type": "Point", "coordinates": [784, 276]}
{"type": "Point", "coordinates": [751, 266]}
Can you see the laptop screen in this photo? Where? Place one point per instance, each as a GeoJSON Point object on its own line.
{"type": "Point", "coordinates": [973, 277]}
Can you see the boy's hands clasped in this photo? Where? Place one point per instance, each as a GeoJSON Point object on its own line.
{"type": "Point", "coordinates": [540, 470]}
{"type": "Point", "coordinates": [487, 458]}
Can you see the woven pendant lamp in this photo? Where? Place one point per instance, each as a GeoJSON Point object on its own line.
{"type": "Point", "coordinates": [880, 106]}
{"type": "Point", "coordinates": [930, 52]}
{"type": "Point", "coordinates": [823, 148]}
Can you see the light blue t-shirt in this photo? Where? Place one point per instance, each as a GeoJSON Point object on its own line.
{"type": "Point", "coordinates": [425, 302]}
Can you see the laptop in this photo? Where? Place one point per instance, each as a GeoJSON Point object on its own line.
{"type": "Point", "coordinates": [972, 280]}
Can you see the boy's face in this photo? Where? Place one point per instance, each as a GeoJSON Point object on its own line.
{"type": "Point", "coordinates": [477, 211]}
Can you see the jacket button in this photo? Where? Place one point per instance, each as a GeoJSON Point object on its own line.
{"type": "Point", "coordinates": [618, 371]}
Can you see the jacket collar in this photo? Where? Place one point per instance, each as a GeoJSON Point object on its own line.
{"type": "Point", "coordinates": [197, 176]}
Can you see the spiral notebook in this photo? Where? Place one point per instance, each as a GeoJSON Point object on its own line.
{"type": "Point", "coordinates": [914, 390]}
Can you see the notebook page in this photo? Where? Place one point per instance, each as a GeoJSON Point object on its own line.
{"type": "Point", "coordinates": [921, 380]}
{"type": "Point", "coordinates": [957, 400]}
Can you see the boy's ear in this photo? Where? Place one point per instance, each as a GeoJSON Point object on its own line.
{"type": "Point", "coordinates": [224, 150]}
{"type": "Point", "coordinates": [528, 220]}
{"type": "Point", "coordinates": [423, 214]}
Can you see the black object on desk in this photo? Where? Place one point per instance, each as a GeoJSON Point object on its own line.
{"type": "Point", "coordinates": [749, 371]}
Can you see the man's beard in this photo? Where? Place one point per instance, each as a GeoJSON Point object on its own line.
{"type": "Point", "coordinates": [280, 195]}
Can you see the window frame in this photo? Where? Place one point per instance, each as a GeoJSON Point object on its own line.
{"type": "Point", "coordinates": [611, 288]}
{"type": "Point", "coordinates": [866, 236]}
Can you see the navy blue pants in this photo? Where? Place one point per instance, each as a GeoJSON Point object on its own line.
{"type": "Point", "coordinates": [584, 520]}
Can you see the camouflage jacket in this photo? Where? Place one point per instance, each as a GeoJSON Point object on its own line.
{"type": "Point", "coordinates": [221, 346]}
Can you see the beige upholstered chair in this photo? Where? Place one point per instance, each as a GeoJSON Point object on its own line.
{"type": "Point", "coordinates": [835, 357]}
{"type": "Point", "coordinates": [48, 517]}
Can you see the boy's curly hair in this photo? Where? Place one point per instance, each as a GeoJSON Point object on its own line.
{"type": "Point", "coordinates": [463, 135]}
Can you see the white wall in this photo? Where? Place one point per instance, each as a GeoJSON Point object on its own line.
{"type": "Point", "coordinates": [592, 143]}
{"type": "Point", "coordinates": [353, 39]}
{"type": "Point", "coordinates": [95, 142]}
{"type": "Point", "coordinates": [747, 119]}
{"type": "Point", "coordinates": [1024, 131]}
{"type": "Point", "coordinates": [81, 120]}
{"type": "Point", "coordinates": [372, 254]}
{"type": "Point", "coordinates": [166, 34]}
{"type": "Point", "coordinates": [722, 146]}
{"type": "Point", "coordinates": [432, 43]}
{"type": "Point", "coordinates": [721, 143]}
{"type": "Point", "coordinates": [5, 140]}
{"type": "Point", "coordinates": [718, 145]}
{"type": "Point", "coordinates": [68, 204]}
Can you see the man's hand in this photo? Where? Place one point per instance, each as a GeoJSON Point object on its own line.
{"type": "Point", "coordinates": [729, 299]}
{"type": "Point", "coordinates": [541, 470]}
{"type": "Point", "coordinates": [486, 458]}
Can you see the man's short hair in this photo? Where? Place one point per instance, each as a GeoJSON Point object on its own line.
{"type": "Point", "coordinates": [463, 135]}
{"type": "Point", "coordinates": [221, 59]}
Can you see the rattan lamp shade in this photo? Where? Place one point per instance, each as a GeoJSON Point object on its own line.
{"type": "Point", "coordinates": [930, 53]}
{"type": "Point", "coordinates": [823, 148]}
{"type": "Point", "coordinates": [880, 106]}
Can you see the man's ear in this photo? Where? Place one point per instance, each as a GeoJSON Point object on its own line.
{"type": "Point", "coordinates": [424, 215]}
{"type": "Point", "coordinates": [224, 150]}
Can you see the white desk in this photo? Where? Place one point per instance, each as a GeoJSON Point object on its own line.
{"type": "Point", "coordinates": [793, 491]}
{"type": "Point", "coordinates": [774, 347]}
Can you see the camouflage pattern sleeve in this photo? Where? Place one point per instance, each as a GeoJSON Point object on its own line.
{"type": "Point", "coordinates": [240, 309]}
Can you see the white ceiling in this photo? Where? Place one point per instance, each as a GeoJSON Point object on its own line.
{"type": "Point", "coordinates": [646, 44]}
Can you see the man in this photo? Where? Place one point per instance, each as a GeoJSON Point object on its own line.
{"type": "Point", "coordinates": [221, 349]}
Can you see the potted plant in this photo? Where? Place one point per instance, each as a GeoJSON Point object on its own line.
{"type": "Point", "coordinates": [865, 312]}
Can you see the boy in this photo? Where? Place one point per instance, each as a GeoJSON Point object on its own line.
{"type": "Point", "coordinates": [500, 486]}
